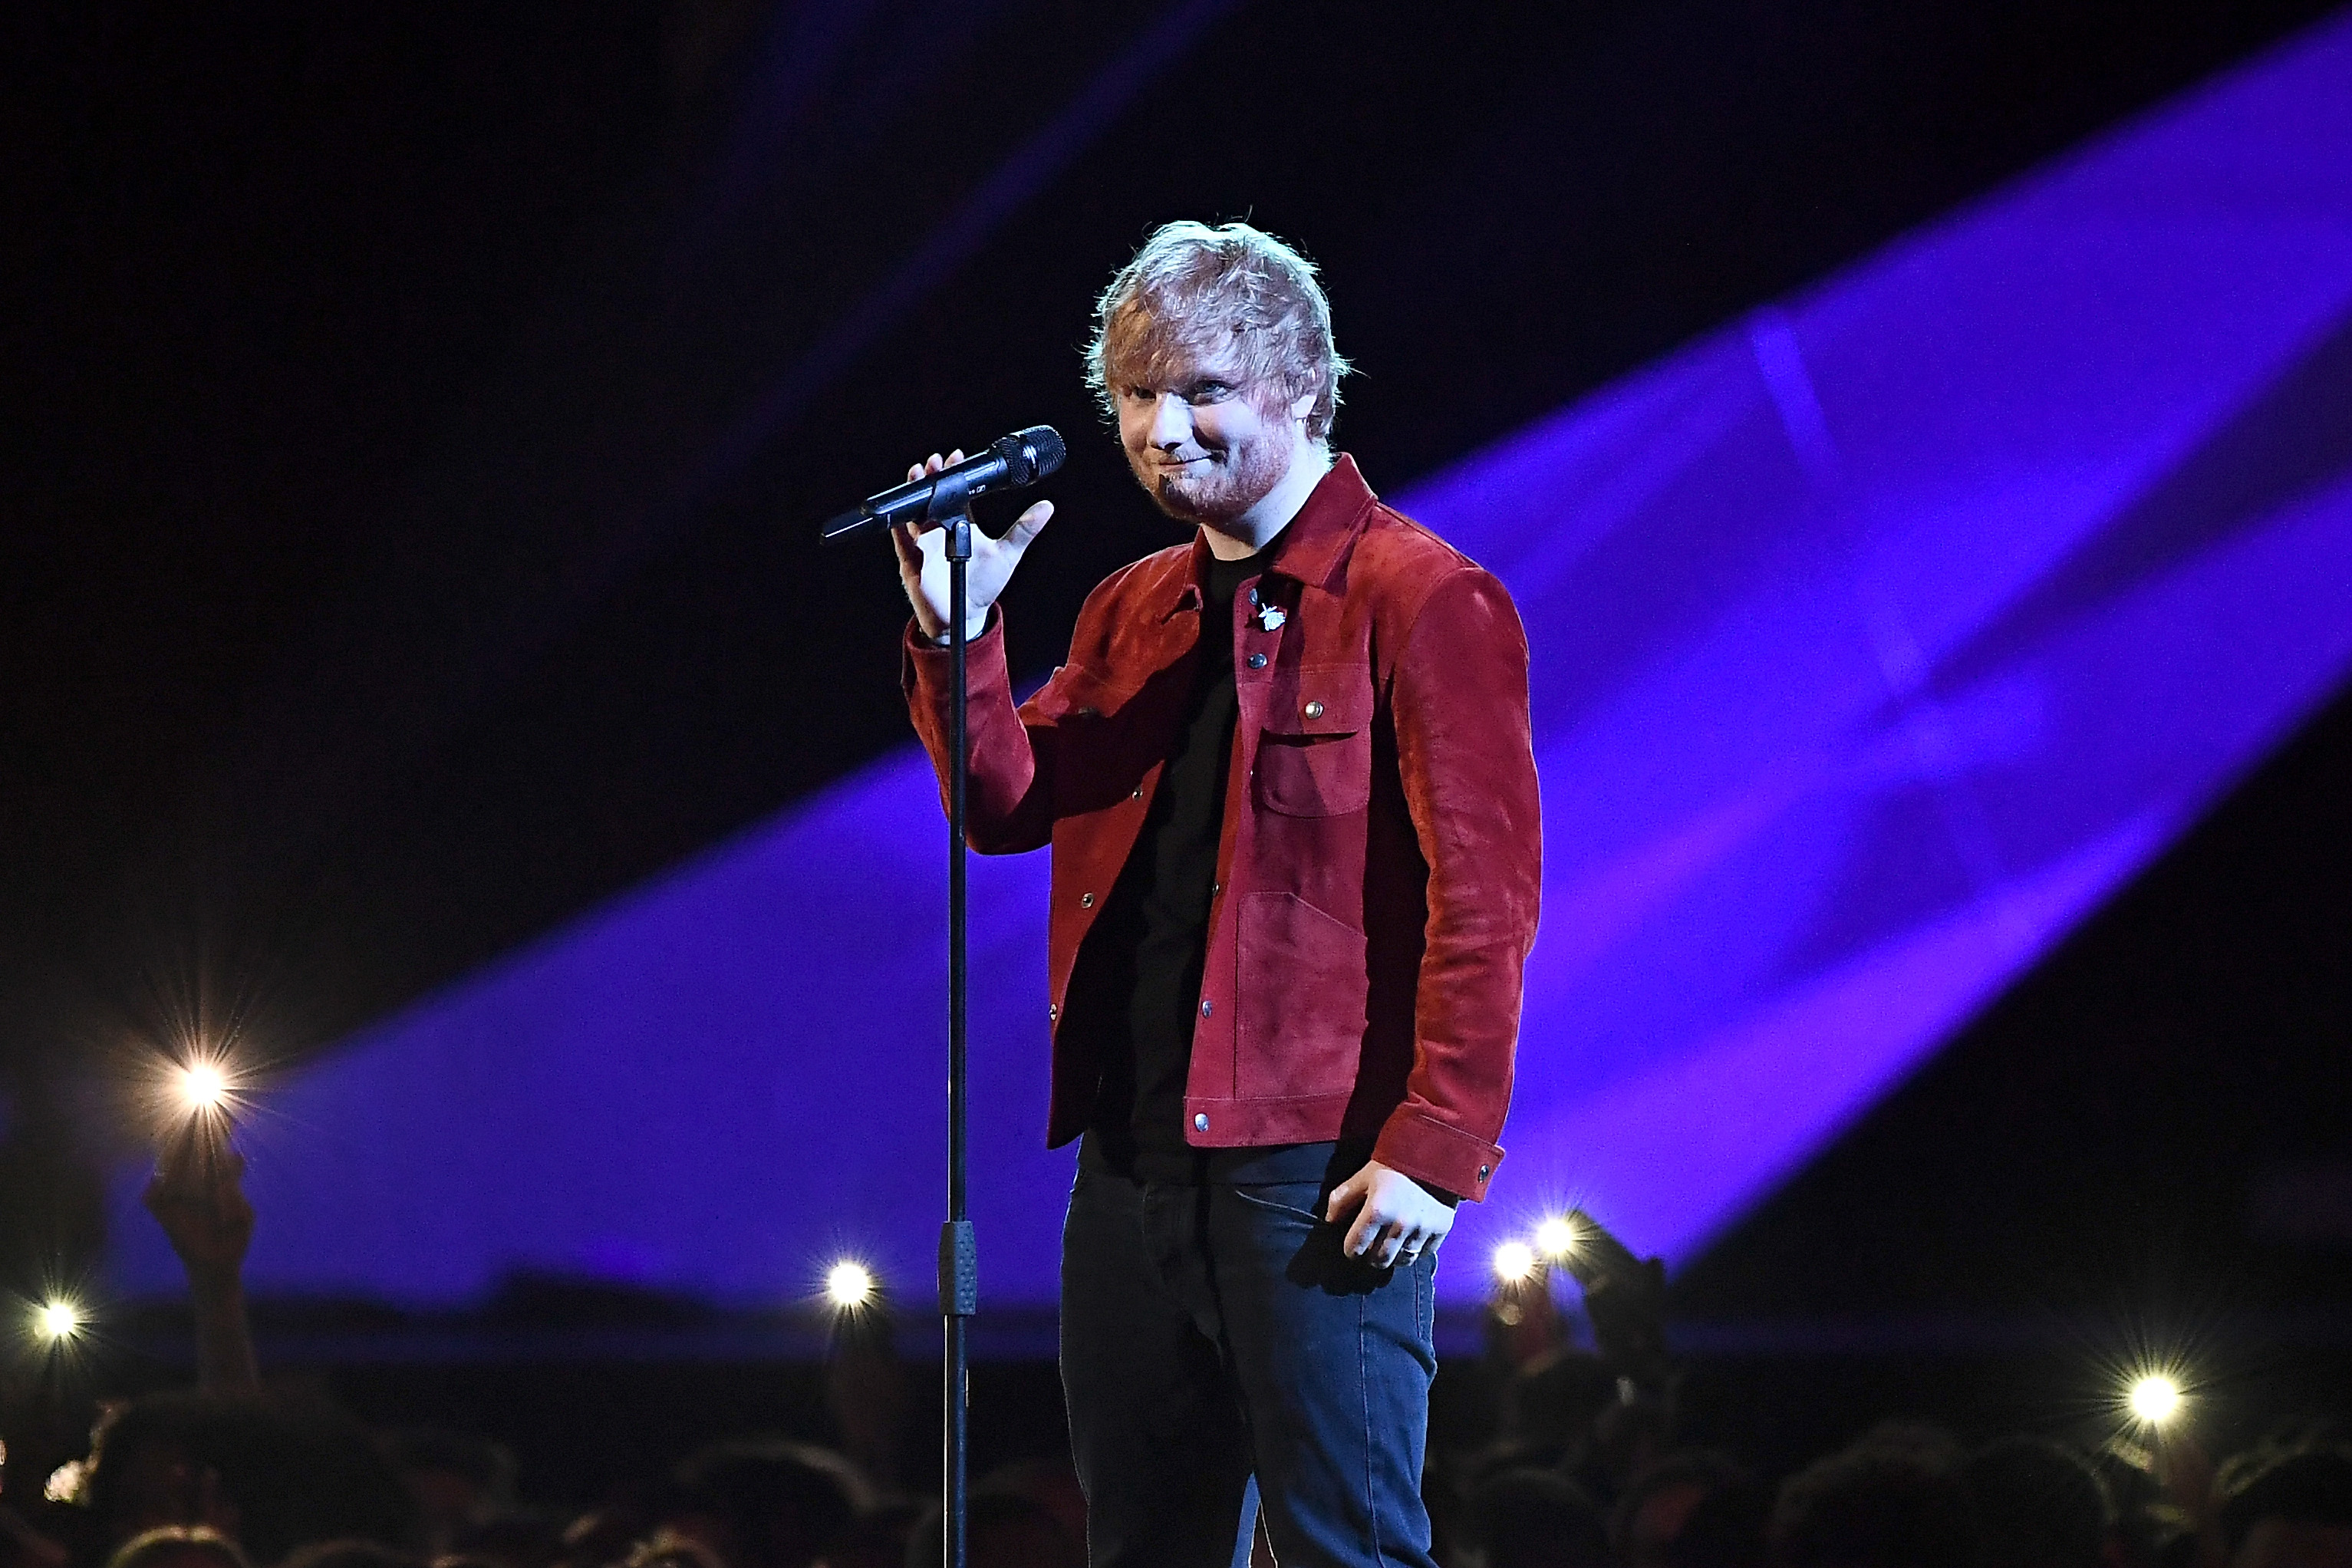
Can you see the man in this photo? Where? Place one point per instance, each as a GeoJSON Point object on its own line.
{"type": "Point", "coordinates": [1286, 777]}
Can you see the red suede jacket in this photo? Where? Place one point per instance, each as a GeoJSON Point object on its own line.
{"type": "Point", "coordinates": [1379, 871]}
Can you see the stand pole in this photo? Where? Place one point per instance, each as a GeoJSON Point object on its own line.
{"type": "Point", "coordinates": [948, 508]}
{"type": "Point", "coordinates": [958, 1251]}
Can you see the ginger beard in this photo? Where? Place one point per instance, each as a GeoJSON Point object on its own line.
{"type": "Point", "coordinates": [1218, 485]}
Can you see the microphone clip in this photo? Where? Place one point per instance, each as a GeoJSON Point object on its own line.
{"type": "Point", "coordinates": [950, 507]}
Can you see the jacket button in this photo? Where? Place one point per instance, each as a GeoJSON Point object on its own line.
{"type": "Point", "coordinates": [1257, 661]}
{"type": "Point", "coordinates": [1207, 1006]}
{"type": "Point", "coordinates": [1483, 1170]}
{"type": "Point", "coordinates": [1253, 596]}
{"type": "Point", "coordinates": [1085, 901]}
{"type": "Point", "coordinates": [1315, 710]}
{"type": "Point", "coordinates": [1053, 1014]}
{"type": "Point", "coordinates": [1200, 1122]}
{"type": "Point", "coordinates": [1137, 795]}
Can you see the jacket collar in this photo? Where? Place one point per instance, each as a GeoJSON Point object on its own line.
{"type": "Point", "coordinates": [1315, 544]}
{"type": "Point", "coordinates": [1310, 550]}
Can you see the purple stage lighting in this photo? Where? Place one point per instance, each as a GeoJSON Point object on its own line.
{"type": "Point", "coordinates": [1879, 637]}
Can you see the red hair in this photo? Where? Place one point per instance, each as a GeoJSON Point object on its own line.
{"type": "Point", "coordinates": [1196, 290]}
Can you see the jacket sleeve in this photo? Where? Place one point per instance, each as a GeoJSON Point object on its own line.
{"type": "Point", "coordinates": [1008, 800]}
{"type": "Point", "coordinates": [1467, 760]}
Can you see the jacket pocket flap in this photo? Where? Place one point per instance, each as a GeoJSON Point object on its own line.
{"type": "Point", "coordinates": [1075, 692]}
{"type": "Point", "coordinates": [1334, 706]}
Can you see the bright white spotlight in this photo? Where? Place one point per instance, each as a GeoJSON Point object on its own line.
{"type": "Point", "coordinates": [203, 1087]}
{"type": "Point", "coordinates": [2154, 1399]}
{"type": "Point", "coordinates": [1556, 1237]}
{"type": "Point", "coordinates": [1513, 1261]}
{"type": "Point", "coordinates": [849, 1285]}
{"type": "Point", "coordinates": [59, 1319]}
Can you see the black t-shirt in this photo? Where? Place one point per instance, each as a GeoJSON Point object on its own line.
{"type": "Point", "coordinates": [1136, 986]}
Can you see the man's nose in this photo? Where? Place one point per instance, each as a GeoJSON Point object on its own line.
{"type": "Point", "coordinates": [1171, 421]}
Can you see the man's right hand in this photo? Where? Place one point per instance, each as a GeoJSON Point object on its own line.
{"type": "Point", "coordinates": [923, 561]}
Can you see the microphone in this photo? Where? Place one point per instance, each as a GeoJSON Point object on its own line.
{"type": "Point", "coordinates": [1011, 463]}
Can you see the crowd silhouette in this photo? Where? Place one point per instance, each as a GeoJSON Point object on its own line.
{"type": "Point", "coordinates": [1571, 1458]}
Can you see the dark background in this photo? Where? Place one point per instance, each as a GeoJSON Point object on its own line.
{"type": "Point", "coordinates": [421, 414]}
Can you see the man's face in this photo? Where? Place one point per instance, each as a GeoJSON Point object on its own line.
{"type": "Point", "coordinates": [1202, 440]}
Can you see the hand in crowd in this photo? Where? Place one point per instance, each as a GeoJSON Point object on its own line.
{"type": "Point", "coordinates": [198, 1196]}
{"type": "Point", "coordinates": [923, 561]}
{"type": "Point", "coordinates": [2189, 1477]}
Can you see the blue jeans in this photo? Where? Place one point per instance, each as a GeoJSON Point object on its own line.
{"type": "Point", "coordinates": [1212, 1333]}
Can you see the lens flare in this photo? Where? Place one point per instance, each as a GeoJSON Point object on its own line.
{"type": "Point", "coordinates": [1513, 1261]}
{"type": "Point", "coordinates": [849, 1285]}
{"type": "Point", "coordinates": [59, 1319]}
{"type": "Point", "coordinates": [1556, 1237]}
{"type": "Point", "coordinates": [196, 1084]}
{"type": "Point", "coordinates": [203, 1087]}
{"type": "Point", "coordinates": [2154, 1399]}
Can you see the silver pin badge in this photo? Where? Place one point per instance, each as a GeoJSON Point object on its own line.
{"type": "Point", "coordinates": [1270, 617]}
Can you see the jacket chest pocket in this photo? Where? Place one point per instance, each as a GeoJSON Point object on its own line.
{"type": "Point", "coordinates": [1099, 746]}
{"type": "Point", "coordinates": [1315, 753]}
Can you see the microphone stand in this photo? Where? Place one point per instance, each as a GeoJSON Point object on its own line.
{"type": "Point", "coordinates": [949, 509]}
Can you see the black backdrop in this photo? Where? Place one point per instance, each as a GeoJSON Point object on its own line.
{"type": "Point", "coordinates": [398, 561]}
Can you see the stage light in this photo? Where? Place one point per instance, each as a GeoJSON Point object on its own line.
{"type": "Point", "coordinates": [59, 1319]}
{"type": "Point", "coordinates": [196, 1087]}
{"type": "Point", "coordinates": [1556, 1237]}
{"type": "Point", "coordinates": [2154, 1399]}
{"type": "Point", "coordinates": [1513, 1261]}
{"type": "Point", "coordinates": [203, 1087]}
{"type": "Point", "coordinates": [849, 1285]}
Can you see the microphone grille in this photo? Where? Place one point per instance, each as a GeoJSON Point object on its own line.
{"type": "Point", "coordinates": [1043, 444]}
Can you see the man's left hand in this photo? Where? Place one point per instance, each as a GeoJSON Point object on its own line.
{"type": "Point", "coordinates": [1397, 1218]}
